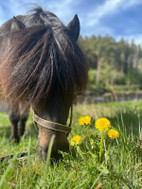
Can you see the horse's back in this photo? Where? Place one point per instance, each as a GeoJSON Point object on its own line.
{"type": "Point", "coordinates": [6, 30]}
{"type": "Point", "coordinates": [11, 25]}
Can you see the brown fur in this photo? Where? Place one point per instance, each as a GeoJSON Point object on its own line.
{"type": "Point", "coordinates": [40, 59]}
{"type": "Point", "coordinates": [41, 64]}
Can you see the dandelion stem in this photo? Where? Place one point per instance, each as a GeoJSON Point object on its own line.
{"type": "Point", "coordinates": [109, 146]}
{"type": "Point", "coordinates": [101, 146]}
{"type": "Point", "coordinates": [108, 151]}
{"type": "Point", "coordinates": [88, 134]}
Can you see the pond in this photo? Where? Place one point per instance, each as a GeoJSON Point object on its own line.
{"type": "Point", "coordinates": [110, 97]}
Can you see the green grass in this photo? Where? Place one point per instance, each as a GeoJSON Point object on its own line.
{"type": "Point", "coordinates": [121, 167]}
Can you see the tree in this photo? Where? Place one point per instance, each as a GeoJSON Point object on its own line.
{"type": "Point", "coordinates": [114, 62]}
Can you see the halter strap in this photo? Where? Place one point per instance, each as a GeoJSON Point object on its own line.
{"type": "Point", "coordinates": [53, 125]}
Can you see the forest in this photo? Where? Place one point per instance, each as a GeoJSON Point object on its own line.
{"type": "Point", "coordinates": [112, 63]}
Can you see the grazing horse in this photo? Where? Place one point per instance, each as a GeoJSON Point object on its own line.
{"type": "Point", "coordinates": [41, 66]}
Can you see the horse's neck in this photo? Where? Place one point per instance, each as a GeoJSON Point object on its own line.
{"type": "Point", "coordinates": [4, 43]}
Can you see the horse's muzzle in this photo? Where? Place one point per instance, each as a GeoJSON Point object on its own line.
{"type": "Point", "coordinates": [54, 154]}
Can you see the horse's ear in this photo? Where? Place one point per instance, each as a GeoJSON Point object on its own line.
{"type": "Point", "coordinates": [74, 28]}
{"type": "Point", "coordinates": [16, 25]}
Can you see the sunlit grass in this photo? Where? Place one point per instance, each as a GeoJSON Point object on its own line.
{"type": "Point", "coordinates": [120, 166]}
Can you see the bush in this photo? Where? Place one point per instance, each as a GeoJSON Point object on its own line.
{"type": "Point", "coordinates": [120, 79]}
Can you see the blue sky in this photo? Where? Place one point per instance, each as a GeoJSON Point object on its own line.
{"type": "Point", "coordinates": [116, 18]}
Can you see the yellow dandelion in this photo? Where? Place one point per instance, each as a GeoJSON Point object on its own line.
{"type": "Point", "coordinates": [76, 140]}
{"type": "Point", "coordinates": [113, 133]}
{"type": "Point", "coordinates": [85, 120]}
{"type": "Point", "coordinates": [102, 124]}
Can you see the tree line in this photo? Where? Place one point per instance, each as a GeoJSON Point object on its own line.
{"type": "Point", "coordinates": [112, 62]}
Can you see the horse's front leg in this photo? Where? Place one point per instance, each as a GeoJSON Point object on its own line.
{"type": "Point", "coordinates": [14, 127]}
{"type": "Point", "coordinates": [21, 126]}
{"type": "Point", "coordinates": [24, 112]}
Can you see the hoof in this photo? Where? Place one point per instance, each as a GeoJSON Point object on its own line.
{"type": "Point", "coordinates": [14, 139]}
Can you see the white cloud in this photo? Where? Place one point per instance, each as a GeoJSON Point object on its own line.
{"type": "Point", "coordinates": [107, 8]}
{"type": "Point", "coordinates": [101, 30]}
{"type": "Point", "coordinates": [91, 20]}
{"type": "Point", "coordinates": [63, 8]}
{"type": "Point", "coordinates": [132, 3]}
{"type": "Point", "coordinates": [136, 37]}
{"type": "Point", "coordinates": [110, 6]}
{"type": "Point", "coordinates": [11, 8]}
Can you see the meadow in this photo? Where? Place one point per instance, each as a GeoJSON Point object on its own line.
{"type": "Point", "coordinates": [120, 164]}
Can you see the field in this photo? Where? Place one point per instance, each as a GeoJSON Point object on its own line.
{"type": "Point", "coordinates": [120, 164]}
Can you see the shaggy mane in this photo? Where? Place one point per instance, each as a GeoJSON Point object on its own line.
{"type": "Point", "coordinates": [41, 58]}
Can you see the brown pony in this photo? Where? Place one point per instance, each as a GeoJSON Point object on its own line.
{"type": "Point", "coordinates": [41, 66]}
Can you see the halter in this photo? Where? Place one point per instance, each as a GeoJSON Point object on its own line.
{"type": "Point", "coordinates": [53, 125]}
